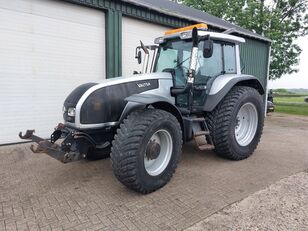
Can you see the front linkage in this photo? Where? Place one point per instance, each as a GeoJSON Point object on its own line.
{"type": "Point", "coordinates": [73, 147]}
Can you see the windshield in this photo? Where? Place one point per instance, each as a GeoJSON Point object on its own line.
{"type": "Point", "coordinates": [175, 54]}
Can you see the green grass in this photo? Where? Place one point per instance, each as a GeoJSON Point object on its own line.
{"type": "Point", "coordinates": [291, 105]}
{"type": "Point", "coordinates": [289, 99]}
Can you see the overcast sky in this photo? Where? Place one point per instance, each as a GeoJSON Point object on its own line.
{"type": "Point", "coordinates": [296, 80]}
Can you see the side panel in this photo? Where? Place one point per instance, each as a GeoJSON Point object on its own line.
{"type": "Point", "coordinates": [106, 104]}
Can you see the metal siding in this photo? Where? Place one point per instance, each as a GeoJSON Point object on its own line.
{"type": "Point", "coordinates": [254, 58]}
{"type": "Point", "coordinates": [131, 10]}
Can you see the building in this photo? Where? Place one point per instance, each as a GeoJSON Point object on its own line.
{"type": "Point", "coordinates": [48, 47]}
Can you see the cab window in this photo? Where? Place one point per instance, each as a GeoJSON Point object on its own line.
{"type": "Point", "coordinates": [229, 58]}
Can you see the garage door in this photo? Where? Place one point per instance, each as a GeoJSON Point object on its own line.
{"type": "Point", "coordinates": [47, 48]}
{"type": "Point", "coordinates": [133, 31]}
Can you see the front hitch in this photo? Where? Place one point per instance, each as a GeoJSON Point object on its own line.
{"type": "Point", "coordinates": [64, 152]}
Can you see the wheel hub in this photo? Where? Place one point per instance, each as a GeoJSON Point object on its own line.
{"type": "Point", "coordinates": [246, 124]}
{"type": "Point", "coordinates": [158, 152]}
{"type": "Point", "coordinates": [153, 150]}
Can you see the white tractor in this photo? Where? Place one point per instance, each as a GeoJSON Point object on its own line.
{"type": "Point", "coordinates": [191, 88]}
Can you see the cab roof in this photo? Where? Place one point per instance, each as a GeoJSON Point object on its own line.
{"type": "Point", "coordinates": [186, 33]}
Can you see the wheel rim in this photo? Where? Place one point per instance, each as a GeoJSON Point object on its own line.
{"type": "Point", "coordinates": [155, 166]}
{"type": "Point", "coordinates": [247, 123]}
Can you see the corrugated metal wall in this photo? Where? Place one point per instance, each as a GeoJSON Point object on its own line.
{"type": "Point", "coordinates": [254, 59]}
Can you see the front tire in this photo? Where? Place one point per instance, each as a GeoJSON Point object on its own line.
{"type": "Point", "coordinates": [98, 153]}
{"type": "Point", "coordinates": [236, 124]}
{"type": "Point", "coordinates": [146, 150]}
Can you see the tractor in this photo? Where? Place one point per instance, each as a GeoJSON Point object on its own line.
{"type": "Point", "coordinates": [190, 88]}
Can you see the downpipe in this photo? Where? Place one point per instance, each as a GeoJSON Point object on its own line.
{"type": "Point", "coordinates": [74, 146]}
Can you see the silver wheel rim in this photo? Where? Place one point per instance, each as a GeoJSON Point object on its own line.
{"type": "Point", "coordinates": [247, 124]}
{"type": "Point", "coordinates": [156, 166]}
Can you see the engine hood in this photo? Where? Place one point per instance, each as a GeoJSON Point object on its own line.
{"type": "Point", "coordinates": [103, 101]}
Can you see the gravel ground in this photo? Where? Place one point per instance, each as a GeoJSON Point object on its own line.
{"type": "Point", "coordinates": [281, 206]}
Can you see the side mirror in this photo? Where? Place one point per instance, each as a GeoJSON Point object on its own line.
{"type": "Point", "coordinates": [138, 57]}
{"type": "Point", "coordinates": [208, 48]}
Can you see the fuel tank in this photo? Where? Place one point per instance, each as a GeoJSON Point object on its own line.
{"type": "Point", "coordinates": [97, 104]}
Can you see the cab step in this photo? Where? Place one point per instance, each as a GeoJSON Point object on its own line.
{"type": "Point", "coordinates": [206, 147]}
{"type": "Point", "coordinates": [202, 134]}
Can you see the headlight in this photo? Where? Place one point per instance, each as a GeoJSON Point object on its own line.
{"type": "Point", "coordinates": [71, 111]}
{"type": "Point", "coordinates": [63, 109]}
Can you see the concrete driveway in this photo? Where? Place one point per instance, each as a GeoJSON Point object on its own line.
{"type": "Point", "coordinates": [37, 192]}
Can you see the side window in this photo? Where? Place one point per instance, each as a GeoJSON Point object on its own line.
{"type": "Point", "coordinates": [167, 59]}
{"type": "Point", "coordinates": [186, 56]}
{"type": "Point", "coordinates": [213, 65]}
{"type": "Point", "coordinates": [229, 58]}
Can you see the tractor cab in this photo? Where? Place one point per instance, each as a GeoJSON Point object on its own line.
{"type": "Point", "coordinates": [192, 53]}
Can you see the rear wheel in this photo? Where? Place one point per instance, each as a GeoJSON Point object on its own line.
{"type": "Point", "coordinates": [146, 150]}
{"type": "Point", "coordinates": [236, 124]}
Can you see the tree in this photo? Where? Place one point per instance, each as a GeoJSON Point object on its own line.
{"type": "Point", "coordinates": [283, 21]}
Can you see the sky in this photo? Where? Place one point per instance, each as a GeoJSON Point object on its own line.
{"type": "Point", "coordinates": [299, 79]}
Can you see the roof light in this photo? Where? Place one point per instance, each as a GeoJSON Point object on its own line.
{"type": "Point", "coordinates": [198, 26]}
{"type": "Point", "coordinates": [159, 40]}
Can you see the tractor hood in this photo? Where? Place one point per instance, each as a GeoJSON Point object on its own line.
{"type": "Point", "coordinates": [93, 105]}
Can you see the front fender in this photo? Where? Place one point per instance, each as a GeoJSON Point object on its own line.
{"type": "Point", "coordinates": [140, 101]}
{"type": "Point", "coordinates": [223, 84]}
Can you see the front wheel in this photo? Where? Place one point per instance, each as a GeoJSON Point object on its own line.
{"type": "Point", "coordinates": [236, 124]}
{"type": "Point", "coordinates": [146, 150]}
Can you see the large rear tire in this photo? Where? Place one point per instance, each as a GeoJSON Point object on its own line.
{"type": "Point", "coordinates": [146, 150]}
{"type": "Point", "coordinates": [236, 124]}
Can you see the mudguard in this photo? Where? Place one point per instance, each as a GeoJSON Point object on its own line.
{"type": "Point", "coordinates": [223, 84]}
{"type": "Point", "coordinates": [139, 101]}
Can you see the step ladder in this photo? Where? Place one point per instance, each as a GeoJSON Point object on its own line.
{"type": "Point", "coordinates": [201, 134]}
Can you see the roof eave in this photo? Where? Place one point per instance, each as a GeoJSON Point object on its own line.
{"type": "Point", "coordinates": [169, 12]}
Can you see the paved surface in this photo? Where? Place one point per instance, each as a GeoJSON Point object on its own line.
{"type": "Point", "coordinates": [38, 192]}
{"type": "Point", "coordinates": [281, 206]}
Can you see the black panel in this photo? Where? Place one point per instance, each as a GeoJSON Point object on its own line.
{"type": "Point", "coordinates": [73, 98]}
{"type": "Point", "coordinates": [106, 104]}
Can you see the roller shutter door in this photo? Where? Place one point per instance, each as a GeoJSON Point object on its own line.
{"type": "Point", "coordinates": [47, 49]}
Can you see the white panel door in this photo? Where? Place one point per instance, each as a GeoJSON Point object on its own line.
{"type": "Point", "coordinates": [134, 30]}
{"type": "Point", "coordinates": [47, 48]}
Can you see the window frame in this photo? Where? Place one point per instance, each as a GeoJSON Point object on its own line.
{"type": "Point", "coordinates": [222, 43]}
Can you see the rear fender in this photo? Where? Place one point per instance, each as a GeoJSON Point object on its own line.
{"type": "Point", "coordinates": [222, 85]}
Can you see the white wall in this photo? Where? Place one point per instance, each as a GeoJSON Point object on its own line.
{"type": "Point", "coordinates": [47, 48]}
{"type": "Point", "coordinates": [133, 31]}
